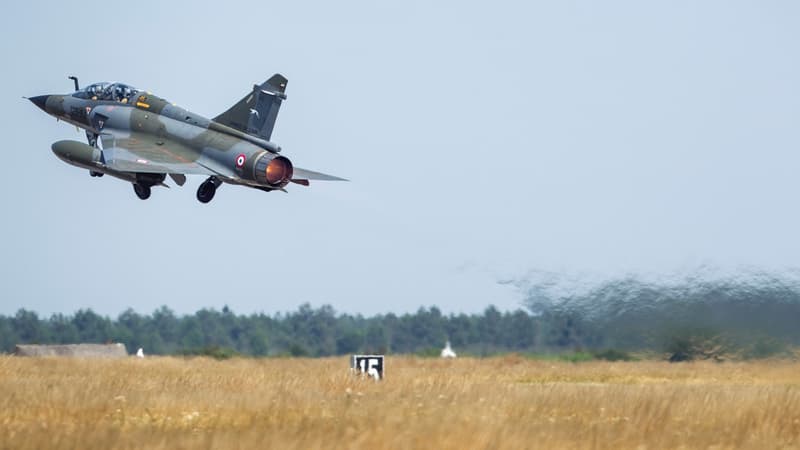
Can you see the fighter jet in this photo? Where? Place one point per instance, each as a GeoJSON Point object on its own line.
{"type": "Point", "coordinates": [141, 138]}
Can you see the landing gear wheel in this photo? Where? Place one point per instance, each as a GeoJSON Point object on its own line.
{"type": "Point", "coordinates": [142, 191]}
{"type": "Point", "coordinates": [206, 190]}
{"type": "Point", "coordinates": [96, 174]}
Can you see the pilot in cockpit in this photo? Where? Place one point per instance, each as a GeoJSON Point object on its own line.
{"type": "Point", "coordinates": [113, 92]}
{"type": "Point", "coordinates": [122, 93]}
{"type": "Point", "coordinates": [95, 91]}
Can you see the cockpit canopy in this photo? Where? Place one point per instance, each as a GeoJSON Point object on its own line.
{"type": "Point", "coordinates": [117, 92]}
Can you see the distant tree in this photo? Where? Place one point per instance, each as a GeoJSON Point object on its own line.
{"type": "Point", "coordinates": [28, 329]}
{"type": "Point", "coordinates": [377, 337]}
{"type": "Point", "coordinates": [131, 329]}
{"type": "Point", "coordinates": [490, 329]}
{"type": "Point", "coordinates": [350, 341]}
{"type": "Point", "coordinates": [461, 330]}
{"type": "Point", "coordinates": [191, 334]}
{"type": "Point", "coordinates": [519, 331]}
{"type": "Point", "coordinates": [8, 336]}
{"type": "Point", "coordinates": [92, 327]}
{"type": "Point", "coordinates": [257, 342]}
{"type": "Point", "coordinates": [162, 330]}
{"type": "Point", "coordinates": [63, 330]}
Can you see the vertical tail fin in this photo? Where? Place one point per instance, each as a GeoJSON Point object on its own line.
{"type": "Point", "coordinates": [255, 114]}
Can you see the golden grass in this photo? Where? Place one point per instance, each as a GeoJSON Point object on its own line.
{"type": "Point", "coordinates": [505, 402]}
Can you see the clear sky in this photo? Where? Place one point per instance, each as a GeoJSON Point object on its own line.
{"type": "Point", "coordinates": [484, 140]}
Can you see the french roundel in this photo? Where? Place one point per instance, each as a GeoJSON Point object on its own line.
{"type": "Point", "coordinates": [240, 161]}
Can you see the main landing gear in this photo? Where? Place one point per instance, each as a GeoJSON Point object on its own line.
{"type": "Point", "coordinates": [142, 191]}
{"type": "Point", "coordinates": [207, 189]}
{"type": "Point", "coordinates": [144, 181]}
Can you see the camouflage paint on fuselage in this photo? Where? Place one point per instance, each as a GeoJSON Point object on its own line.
{"type": "Point", "coordinates": [158, 131]}
{"type": "Point", "coordinates": [145, 138]}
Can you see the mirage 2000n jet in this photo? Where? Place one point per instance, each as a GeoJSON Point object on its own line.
{"type": "Point", "coordinates": [144, 138]}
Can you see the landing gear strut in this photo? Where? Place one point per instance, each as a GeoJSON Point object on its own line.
{"type": "Point", "coordinates": [142, 191]}
{"type": "Point", "coordinates": [207, 189]}
{"type": "Point", "coordinates": [92, 138]}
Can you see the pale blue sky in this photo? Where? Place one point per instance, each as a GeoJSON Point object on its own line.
{"type": "Point", "coordinates": [483, 140]}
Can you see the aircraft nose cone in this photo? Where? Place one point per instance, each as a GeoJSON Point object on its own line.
{"type": "Point", "coordinates": [40, 101]}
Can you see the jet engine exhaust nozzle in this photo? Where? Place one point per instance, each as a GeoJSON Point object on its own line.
{"type": "Point", "coordinates": [276, 172]}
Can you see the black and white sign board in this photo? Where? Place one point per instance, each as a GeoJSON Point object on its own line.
{"type": "Point", "coordinates": [370, 365]}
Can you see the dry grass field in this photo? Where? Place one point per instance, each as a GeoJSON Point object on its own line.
{"type": "Point", "coordinates": [504, 402]}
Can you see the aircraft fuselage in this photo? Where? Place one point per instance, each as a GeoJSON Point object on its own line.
{"type": "Point", "coordinates": [141, 138]}
{"type": "Point", "coordinates": [179, 132]}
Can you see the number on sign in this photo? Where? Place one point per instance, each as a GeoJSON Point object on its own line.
{"type": "Point", "coordinates": [371, 365]}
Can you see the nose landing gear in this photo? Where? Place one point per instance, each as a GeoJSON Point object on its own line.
{"type": "Point", "coordinates": [207, 189]}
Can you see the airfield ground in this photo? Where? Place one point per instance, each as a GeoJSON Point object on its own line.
{"type": "Point", "coordinates": [504, 402]}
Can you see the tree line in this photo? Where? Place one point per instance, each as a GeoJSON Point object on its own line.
{"type": "Point", "coordinates": [751, 315]}
{"type": "Point", "coordinates": [308, 331]}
